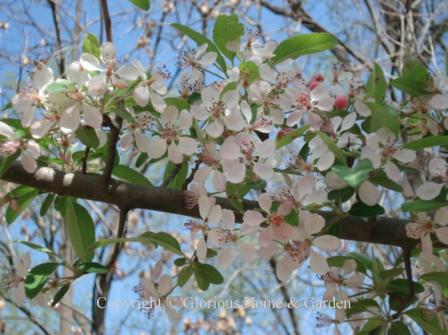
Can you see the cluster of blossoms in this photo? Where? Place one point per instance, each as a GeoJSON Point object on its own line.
{"type": "Point", "coordinates": [297, 146]}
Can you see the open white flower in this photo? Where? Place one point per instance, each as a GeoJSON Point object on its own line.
{"type": "Point", "coordinates": [25, 102]}
{"type": "Point", "coordinates": [194, 62]}
{"type": "Point", "coordinates": [171, 136]}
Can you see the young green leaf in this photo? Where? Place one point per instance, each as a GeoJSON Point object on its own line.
{"type": "Point", "coordinates": [60, 294]}
{"type": "Point", "coordinates": [376, 85]}
{"type": "Point", "coordinates": [304, 44]}
{"type": "Point", "coordinates": [142, 4]}
{"type": "Point", "coordinates": [362, 210]}
{"type": "Point", "coordinates": [356, 175]}
{"type": "Point", "coordinates": [87, 136]}
{"type": "Point", "coordinates": [163, 239]}
{"type": "Point", "coordinates": [91, 45]}
{"type": "Point", "coordinates": [125, 173]}
{"type": "Point", "coordinates": [427, 142]}
{"type": "Point", "coordinates": [37, 277]}
{"type": "Point", "coordinates": [383, 116]}
{"type": "Point", "coordinates": [227, 33]}
{"type": "Point", "coordinates": [184, 275]}
{"type": "Point", "coordinates": [415, 79]}
{"type": "Point", "coordinates": [80, 228]}
{"type": "Point", "coordinates": [289, 135]}
{"type": "Point", "coordinates": [333, 148]}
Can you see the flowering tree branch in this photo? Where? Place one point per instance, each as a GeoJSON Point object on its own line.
{"type": "Point", "coordinates": [381, 230]}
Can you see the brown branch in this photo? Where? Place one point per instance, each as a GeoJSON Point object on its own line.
{"type": "Point", "coordinates": [55, 15]}
{"type": "Point", "coordinates": [107, 20]}
{"type": "Point", "coordinates": [382, 230]}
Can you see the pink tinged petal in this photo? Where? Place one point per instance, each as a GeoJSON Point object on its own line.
{"type": "Point", "coordinates": [170, 116]}
{"type": "Point", "coordinates": [6, 130]}
{"type": "Point", "coordinates": [173, 315]}
{"type": "Point", "coordinates": [246, 229]}
{"type": "Point", "coordinates": [20, 295]}
{"type": "Point", "coordinates": [319, 92]}
{"type": "Point", "coordinates": [92, 116]}
{"type": "Point", "coordinates": [141, 95]}
{"type": "Point", "coordinates": [40, 128]}
{"type": "Point", "coordinates": [157, 147]}
{"type": "Point", "coordinates": [285, 268]}
{"type": "Point", "coordinates": [141, 140]}
{"type": "Point", "coordinates": [225, 258]}
{"type": "Point", "coordinates": [318, 263]}
{"type": "Point", "coordinates": [349, 122]}
{"type": "Point", "coordinates": [219, 181]}
{"type": "Point", "coordinates": [41, 78]}
{"type": "Point", "coordinates": [230, 99]}
{"type": "Point", "coordinates": [248, 253]}
{"type": "Point", "coordinates": [201, 251]}
{"type": "Point", "coordinates": [362, 109]}
{"type": "Point", "coordinates": [392, 171]}
{"type": "Point", "coordinates": [327, 242]}
{"type": "Point", "coordinates": [215, 238]}
{"type": "Point", "coordinates": [204, 206]}
{"type": "Point", "coordinates": [369, 194]}
{"type": "Point", "coordinates": [97, 85]}
{"type": "Point", "coordinates": [89, 62]}
{"type": "Point", "coordinates": [235, 121]}
{"type": "Point", "coordinates": [33, 149]}
{"type": "Point", "coordinates": [246, 111]}
{"type": "Point", "coordinates": [174, 154]}
{"type": "Point", "coordinates": [230, 149]}
{"type": "Point", "coordinates": [429, 190]}
{"type": "Point", "coordinates": [234, 170]}
{"type": "Point", "coordinates": [268, 252]}
{"type": "Point", "coordinates": [228, 219]}
{"type": "Point", "coordinates": [437, 167]}
{"type": "Point", "coordinates": [187, 145]}
{"type": "Point", "coordinates": [442, 234]}
{"type": "Point", "coordinates": [304, 186]}
{"type": "Point", "coordinates": [208, 58]}
{"type": "Point", "coordinates": [185, 120]}
{"type": "Point", "coordinates": [265, 202]}
{"type": "Point", "coordinates": [263, 171]}
{"type": "Point", "coordinates": [265, 149]}
{"type": "Point", "coordinates": [405, 155]}
{"type": "Point", "coordinates": [70, 118]}
{"type": "Point", "coordinates": [439, 102]}
{"type": "Point", "coordinates": [76, 74]}
{"type": "Point", "coordinates": [215, 129]}
{"type": "Point", "coordinates": [28, 162]}
{"type": "Point", "coordinates": [199, 112]}
{"type": "Point", "coordinates": [253, 218]}
{"type": "Point", "coordinates": [312, 223]}
{"type": "Point", "coordinates": [325, 104]}
{"type": "Point", "coordinates": [128, 72]}
{"type": "Point", "coordinates": [215, 215]}
{"type": "Point", "coordinates": [165, 285]}
{"type": "Point", "coordinates": [266, 237]}
{"type": "Point", "coordinates": [293, 118]}
{"type": "Point", "coordinates": [441, 216]}
{"type": "Point", "coordinates": [325, 161]}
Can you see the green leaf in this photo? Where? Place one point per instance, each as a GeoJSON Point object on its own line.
{"type": "Point", "coordinates": [181, 261]}
{"type": "Point", "coordinates": [422, 205]}
{"type": "Point", "coordinates": [428, 323]}
{"type": "Point", "coordinates": [439, 277]}
{"type": "Point", "coordinates": [383, 116]}
{"type": "Point", "coordinates": [362, 210]}
{"type": "Point", "coordinates": [47, 203]}
{"type": "Point", "coordinates": [249, 72]}
{"type": "Point", "coordinates": [184, 275]}
{"type": "Point", "coordinates": [125, 173]}
{"type": "Point", "coordinates": [6, 162]}
{"type": "Point", "coordinates": [60, 294]}
{"type": "Point", "coordinates": [227, 30]}
{"type": "Point", "coordinates": [372, 324]}
{"type": "Point", "coordinates": [398, 328]}
{"type": "Point", "coordinates": [362, 262]}
{"type": "Point", "coordinates": [80, 228]}
{"type": "Point", "coordinates": [341, 195]}
{"type": "Point", "coordinates": [400, 286]}
{"type": "Point", "coordinates": [287, 136]}
{"type": "Point", "coordinates": [356, 175]}
{"type": "Point", "coordinates": [380, 178]}
{"type": "Point", "coordinates": [142, 4]}
{"type": "Point", "coordinates": [427, 142]}
{"type": "Point", "coordinates": [87, 136]}
{"type": "Point", "coordinates": [58, 86]}
{"type": "Point", "coordinates": [206, 274]}
{"type": "Point", "coordinates": [361, 306]}
{"type": "Point", "coordinates": [235, 193]}
{"type": "Point", "coordinates": [179, 103]}
{"type": "Point", "coordinates": [181, 174]}
{"type": "Point", "coordinates": [37, 277]}
{"type": "Point", "coordinates": [338, 153]}
{"type": "Point", "coordinates": [163, 239]}
{"type": "Point", "coordinates": [201, 39]}
{"type": "Point", "coordinates": [92, 267]}
{"type": "Point", "coordinates": [376, 85]}
{"type": "Point", "coordinates": [415, 79]}
{"type": "Point", "coordinates": [304, 44]}
{"type": "Point", "coordinates": [91, 45]}
{"type": "Point", "coordinates": [21, 202]}
{"type": "Point", "coordinates": [38, 247]}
